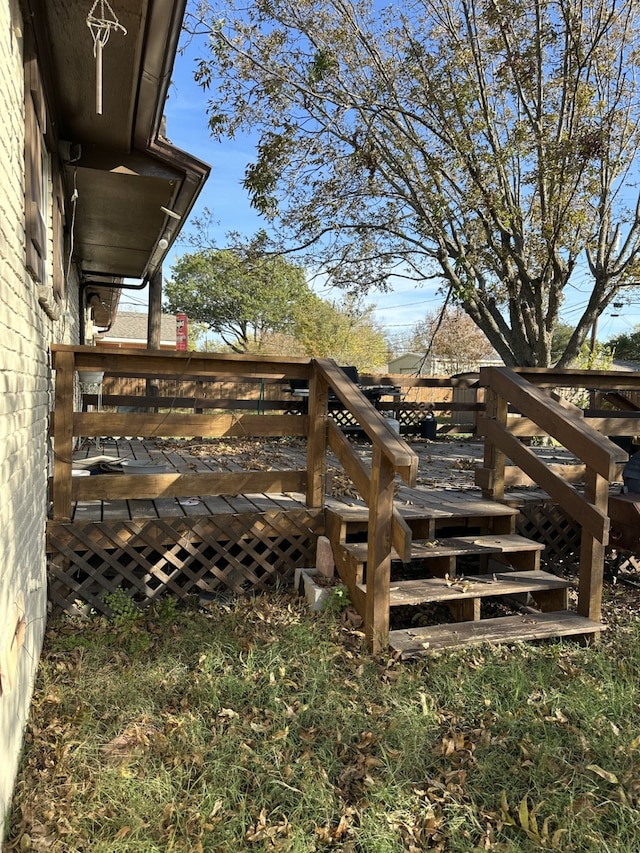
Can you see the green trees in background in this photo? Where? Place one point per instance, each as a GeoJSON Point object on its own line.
{"type": "Point", "coordinates": [240, 294]}
{"type": "Point", "coordinates": [253, 301]}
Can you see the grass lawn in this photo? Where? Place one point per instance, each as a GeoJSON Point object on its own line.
{"type": "Point", "coordinates": [258, 726]}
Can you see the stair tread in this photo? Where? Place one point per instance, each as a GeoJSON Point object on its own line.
{"type": "Point", "coordinates": [457, 545]}
{"type": "Point", "coordinates": [416, 642]}
{"type": "Point", "coordinates": [423, 590]}
{"type": "Point", "coordinates": [431, 504]}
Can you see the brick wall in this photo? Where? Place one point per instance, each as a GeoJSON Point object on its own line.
{"type": "Point", "coordinates": [26, 330]}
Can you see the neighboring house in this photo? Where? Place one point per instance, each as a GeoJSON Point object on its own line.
{"type": "Point", "coordinates": [417, 364]}
{"type": "Point", "coordinates": [130, 330]}
{"type": "Point", "coordinates": [76, 181]}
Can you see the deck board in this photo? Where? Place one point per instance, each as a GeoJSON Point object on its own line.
{"type": "Point", "coordinates": [439, 504]}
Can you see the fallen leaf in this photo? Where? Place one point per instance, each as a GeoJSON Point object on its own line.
{"type": "Point", "coordinates": [604, 774]}
{"type": "Point", "coordinates": [229, 713]}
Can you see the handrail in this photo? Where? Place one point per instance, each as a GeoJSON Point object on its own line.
{"type": "Point", "coordinates": [67, 423]}
{"type": "Point", "coordinates": [600, 456]}
{"type": "Point", "coordinates": [390, 456]}
{"type": "Point", "coordinates": [394, 448]}
{"type": "Point", "coordinates": [556, 418]}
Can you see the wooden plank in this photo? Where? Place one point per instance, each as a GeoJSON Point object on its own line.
{"type": "Point", "coordinates": [194, 403]}
{"type": "Point", "coordinates": [115, 510]}
{"type": "Point", "coordinates": [127, 486]}
{"type": "Point", "coordinates": [451, 504]}
{"type": "Point", "coordinates": [507, 629]}
{"type": "Point", "coordinates": [316, 439]}
{"type": "Point", "coordinates": [167, 508]}
{"type": "Point", "coordinates": [216, 504]}
{"type": "Point", "coordinates": [404, 460]}
{"type": "Point", "coordinates": [209, 426]}
{"type": "Point", "coordinates": [87, 511]}
{"type": "Point", "coordinates": [513, 476]}
{"type": "Point", "coordinates": [349, 459]}
{"type": "Point", "coordinates": [494, 458]}
{"type": "Point", "coordinates": [524, 427]}
{"type": "Point", "coordinates": [142, 509]}
{"type": "Point", "coordinates": [458, 546]}
{"type": "Point", "coordinates": [616, 423]}
{"type": "Point", "coordinates": [425, 590]}
{"type": "Point", "coordinates": [180, 365]}
{"type": "Point", "coordinates": [603, 380]}
{"type": "Point", "coordinates": [376, 623]}
{"type": "Point", "coordinates": [592, 551]}
{"type": "Point", "coordinates": [590, 517]}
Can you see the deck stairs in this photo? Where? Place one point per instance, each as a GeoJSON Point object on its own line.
{"type": "Point", "coordinates": [465, 553]}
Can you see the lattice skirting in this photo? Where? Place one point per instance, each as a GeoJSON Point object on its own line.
{"type": "Point", "coordinates": [546, 522]}
{"type": "Point", "coordinates": [409, 415]}
{"type": "Point", "coordinates": [198, 555]}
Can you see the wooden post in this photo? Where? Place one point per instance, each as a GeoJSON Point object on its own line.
{"type": "Point", "coordinates": [494, 459]}
{"type": "Point", "coordinates": [379, 552]}
{"type": "Point", "coordinates": [154, 321]}
{"type": "Point", "coordinates": [596, 491]}
{"type": "Point", "coordinates": [64, 364]}
{"type": "Point", "coordinates": [316, 440]}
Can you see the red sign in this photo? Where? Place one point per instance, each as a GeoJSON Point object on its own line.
{"type": "Point", "coordinates": [181, 331]}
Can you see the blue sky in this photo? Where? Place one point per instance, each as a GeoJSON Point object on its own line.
{"type": "Point", "coordinates": [223, 194]}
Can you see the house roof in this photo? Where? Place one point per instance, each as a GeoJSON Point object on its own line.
{"type": "Point", "coordinates": [131, 326]}
{"type": "Point", "coordinates": [124, 170]}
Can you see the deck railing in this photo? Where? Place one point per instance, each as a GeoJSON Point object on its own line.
{"type": "Point", "coordinates": [448, 398]}
{"type": "Point", "coordinates": [390, 454]}
{"type": "Point", "coordinates": [68, 424]}
{"type": "Point", "coordinates": [541, 414]}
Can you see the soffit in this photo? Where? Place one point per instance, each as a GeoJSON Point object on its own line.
{"type": "Point", "coordinates": [122, 172]}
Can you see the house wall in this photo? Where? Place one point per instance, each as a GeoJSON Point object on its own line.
{"type": "Point", "coordinates": [28, 325]}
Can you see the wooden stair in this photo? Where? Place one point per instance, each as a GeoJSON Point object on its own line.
{"type": "Point", "coordinates": [415, 642]}
{"type": "Point", "coordinates": [450, 535]}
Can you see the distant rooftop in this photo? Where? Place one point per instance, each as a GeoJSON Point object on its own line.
{"type": "Point", "coordinates": [131, 327]}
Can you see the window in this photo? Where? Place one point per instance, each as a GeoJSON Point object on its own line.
{"type": "Point", "coordinates": [36, 190]}
{"type": "Point", "coordinates": [44, 192]}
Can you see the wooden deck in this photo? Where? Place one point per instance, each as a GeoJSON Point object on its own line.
{"type": "Point", "coordinates": [222, 543]}
{"type": "Point", "coordinates": [176, 457]}
{"type": "Point", "coordinates": [446, 500]}
{"type": "Point", "coordinates": [207, 520]}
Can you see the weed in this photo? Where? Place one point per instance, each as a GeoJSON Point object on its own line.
{"type": "Point", "coordinates": [127, 618]}
{"type": "Point", "coordinates": [337, 601]}
{"type": "Point", "coordinates": [166, 610]}
{"type": "Point", "coordinates": [122, 608]}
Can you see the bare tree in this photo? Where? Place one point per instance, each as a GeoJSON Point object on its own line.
{"type": "Point", "coordinates": [451, 335]}
{"type": "Point", "coordinates": [488, 143]}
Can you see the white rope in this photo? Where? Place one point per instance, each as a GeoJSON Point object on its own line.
{"type": "Point", "coordinates": [100, 25]}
